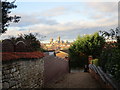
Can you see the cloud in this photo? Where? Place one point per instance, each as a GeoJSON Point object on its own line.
{"type": "Point", "coordinates": [54, 11]}
{"type": "Point", "coordinates": [103, 11]}
{"type": "Point", "coordinates": [63, 27]}
{"type": "Point", "coordinates": [66, 0]}
{"type": "Point", "coordinates": [98, 16]}
{"type": "Point", "coordinates": [105, 7]}
{"type": "Point", "coordinates": [31, 19]}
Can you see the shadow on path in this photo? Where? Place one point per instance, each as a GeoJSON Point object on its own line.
{"type": "Point", "coordinates": [75, 80]}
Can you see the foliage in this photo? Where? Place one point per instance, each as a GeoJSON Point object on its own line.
{"type": "Point", "coordinates": [114, 34]}
{"type": "Point", "coordinates": [86, 45]}
{"type": "Point", "coordinates": [77, 60]}
{"type": "Point", "coordinates": [110, 56]}
{"type": "Point", "coordinates": [31, 40]}
{"type": "Point", "coordinates": [110, 61]}
{"type": "Point", "coordinates": [113, 64]}
{"type": "Point", "coordinates": [95, 62]}
{"type": "Point", "coordinates": [6, 18]}
{"type": "Point", "coordinates": [106, 54]}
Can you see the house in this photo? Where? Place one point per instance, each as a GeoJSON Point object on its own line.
{"type": "Point", "coordinates": [62, 54]}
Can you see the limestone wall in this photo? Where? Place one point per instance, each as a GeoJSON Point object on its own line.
{"type": "Point", "coordinates": [22, 73]}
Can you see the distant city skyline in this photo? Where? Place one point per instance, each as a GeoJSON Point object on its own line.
{"type": "Point", "coordinates": [64, 19]}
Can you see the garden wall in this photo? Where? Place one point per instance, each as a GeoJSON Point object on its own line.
{"type": "Point", "coordinates": [23, 69]}
{"type": "Point", "coordinates": [32, 73]}
{"type": "Point", "coordinates": [24, 72]}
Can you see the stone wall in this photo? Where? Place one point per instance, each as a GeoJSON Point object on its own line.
{"type": "Point", "coordinates": [20, 69]}
{"type": "Point", "coordinates": [22, 73]}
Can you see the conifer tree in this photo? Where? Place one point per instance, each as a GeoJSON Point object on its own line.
{"type": "Point", "coordinates": [5, 10]}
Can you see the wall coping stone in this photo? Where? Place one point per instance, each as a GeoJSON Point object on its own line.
{"type": "Point", "coordinates": [8, 56]}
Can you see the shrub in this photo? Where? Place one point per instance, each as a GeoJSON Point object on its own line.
{"type": "Point", "coordinates": [85, 46]}
{"type": "Point", "coordinates": [95, 62]}
{"type": "Point", "coordinates": [31, 40]}
{"type": "Point", "coordinates": [110, 56]}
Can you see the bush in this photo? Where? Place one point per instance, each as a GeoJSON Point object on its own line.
{"type": "Point", "coordinates": [30, 39]}
{"type": "Point", "coordinates": [85, 46]}
{"type": "Point", "coordinates": [110, 62]}
{"type": "Point", "coordinates": [95, 62]}
{"type": "Point", "coordinates": [110, 56]}
{"type": "Point", "coordinates": [78, 60]}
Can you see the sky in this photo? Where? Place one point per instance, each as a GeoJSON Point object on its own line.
{"type": "Point", "coordinates": [64, 19]}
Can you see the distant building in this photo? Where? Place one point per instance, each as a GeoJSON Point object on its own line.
{"type": "Point", "coordinates": [57, 44]}
{"type": "Point", "coordinates": [111, 40]}
{"type": "Point", "coordinates": [58, 40]}
{"type": "Point", "coordinates": [51, 40]}
{"type": "Point", "coordinates": [62, 54]}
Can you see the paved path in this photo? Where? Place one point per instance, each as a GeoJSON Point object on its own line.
{"type": "Point", "coordinates": [75, 80]}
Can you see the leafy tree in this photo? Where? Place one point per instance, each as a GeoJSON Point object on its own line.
{"type": "Point", "coordinates": [85, 46]}
{"type": "Point", "coordinates": [30, 39]}
{"type": "Point", "coordinates": [6, 18]}
{"type": "Point", "coordinates": [110, 56]}
{"type": "Point", "coordinates": [114, 34]}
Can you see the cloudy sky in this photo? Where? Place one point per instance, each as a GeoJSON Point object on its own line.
{"type": "Point", "coordinates": [65, 19]}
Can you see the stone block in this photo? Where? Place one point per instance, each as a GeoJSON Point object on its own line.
{"type": "Point", "coordinates": [1, 86]}
{"type": "Point", "coordinates": [12, 83]}
{"type": "Point", "coordinates": [5, 85]}
{"type": "Point", "coordinates": [0, 46]}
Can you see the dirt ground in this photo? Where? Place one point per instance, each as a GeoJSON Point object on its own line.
{"type": "Point", "coordinates": [75, 80]}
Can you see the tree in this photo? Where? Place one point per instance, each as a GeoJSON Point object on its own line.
{"type": "Point", "coordinates": [6, 18]}
{"type": "Point", "coordinates": [113, 34]}
{"type": "Point", "coordinates": [30, 39]}
{"type": "Point", "coordinates": [110, 56]}
{"type": "Point", "coordinates": [85, 46]}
